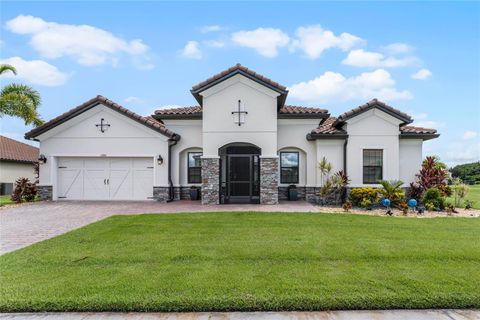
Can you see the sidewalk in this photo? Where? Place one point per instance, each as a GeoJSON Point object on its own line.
{"type": "Point", "coordinates": [448, 314]}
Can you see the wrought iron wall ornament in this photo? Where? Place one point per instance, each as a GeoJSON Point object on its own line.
{"type": "Point", "coordinates": [103, 126]}
{"type": "Point", "coordinates": [239, 112]}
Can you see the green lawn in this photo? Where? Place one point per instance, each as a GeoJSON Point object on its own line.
{"type": "Point", "coordinates": [5, 200]}
{"type": "Point", "coordinates": [473, 195]}
{"type": "Point", "coordinates": [248, 261]}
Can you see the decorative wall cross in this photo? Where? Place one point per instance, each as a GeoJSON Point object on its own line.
{"type": "Point", "coordinates": [239, 112]}
{"type": "Point", "coordinates": [103, 126]}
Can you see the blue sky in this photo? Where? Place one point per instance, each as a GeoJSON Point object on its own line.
{"type": "Point", "coordinates": [422, 58]}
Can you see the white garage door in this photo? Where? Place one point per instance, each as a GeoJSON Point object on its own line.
{"type": "Point", "coordinates": [105, 178]}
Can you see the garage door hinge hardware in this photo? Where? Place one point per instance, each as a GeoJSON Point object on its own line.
{"type": "Point", "coordinates": [62, 167]}
{"type": "Point", "coordinates": [62, 197]}
{"type": "Point", "coordinates": [149, 167]}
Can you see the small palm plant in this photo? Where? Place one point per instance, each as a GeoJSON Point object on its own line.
{"type": "Point", "coordinates": [392, 190]}
{"type": "Point", "coordinates": [325, 169]}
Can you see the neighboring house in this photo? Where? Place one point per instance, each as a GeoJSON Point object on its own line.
{"type": "Point", "coordinates": [17, 160]}
{"type": "Point", "coordinates": [242, 143]}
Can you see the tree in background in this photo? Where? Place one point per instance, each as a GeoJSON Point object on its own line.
{"type": "Point", "coordinates": [469, 172]}
{"type": "Point", "coordinates": [19, 100]}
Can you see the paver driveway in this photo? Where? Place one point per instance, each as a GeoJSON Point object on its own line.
{"type": "Point", "coordinates": [30, 223]}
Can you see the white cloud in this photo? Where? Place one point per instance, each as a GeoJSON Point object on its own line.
{"type": "Point", "coordinates": [134, 100]}
{"type": "Point", "coordinates": [86, 44]}
{"type": "Point", "coordinates": [469, 134]}
{"type": "Point", "coordinates": [211, 28]}
{"type": "Point", "coordinates": [36, 72]}
{"type": "Point", "coordinates": [334, 87]}
{"type": "Point", "coordinates": [266, 41]}
{"type": "Point", "coordinates": [192, 50]}
{"type": "Point", "coordinates": [362, 58]}
{"type": "Point", "coordinates": [419, 116]}
{"type": "Point", "coordinates": [422, 74]}
{"type": "Point", "coordinates": [215, 43]}
{"type": "Point", "coordinates": [463, 152]}
{"type": "Point", "coordinates": [313, 40]}
{"type": "Point", "coordinates": [396, 48]}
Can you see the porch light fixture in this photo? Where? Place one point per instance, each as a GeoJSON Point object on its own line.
{"type": "Point", "coordinates": [160, 160]}
{"type": "Point", "coordinates": [42, 159]}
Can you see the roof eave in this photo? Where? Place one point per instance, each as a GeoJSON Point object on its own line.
{"type": "Point", "coordinates": [280, 100]}
{"type": "Point", "coordinates": [423, 136]}
{"type": "Point", "coordinates": [303, 115]}
{"type": "Point", "coordinates": [326, 136]}
{"type": "Point", "coordinates": [195, 116]}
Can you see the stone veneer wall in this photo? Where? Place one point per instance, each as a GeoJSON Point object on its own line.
{"type": "Point", "coordinates": [210, 180]}
{"type": "Point", "coordinates": [304, 193]}
{"type": "Point", "coordinates": [45, 192]}
{"type": "Point", "coordinates": [160, 194]}
{"type": "Point", "coordinates": [269, 180]}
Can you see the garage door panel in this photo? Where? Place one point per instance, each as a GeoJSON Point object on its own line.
{"type": "Point", "coordinates": [95, 186]}
{"type": "Point", "coordinates": [105, 178]}
{"type": "Point", "coordinates": [120, 183]}
{"type": "Point", "coordinates": [142, 183]}
{"type": "Point", "coordinates": [70, 184]}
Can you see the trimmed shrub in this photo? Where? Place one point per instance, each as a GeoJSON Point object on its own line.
{"type": "Point", "coordinates": [365, 195]}
{"type": "Point", "coordinates": [434, 197]}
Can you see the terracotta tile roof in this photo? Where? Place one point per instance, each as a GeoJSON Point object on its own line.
{"type": "Point", "coordinates": [301, 110]}
{"type": "Point", "coordinates": [327, 128]}
{"type": "Point", "coordinates": [236, 69]}
{"type": "Point", "coordinates": [148, 121]}
{"type": "Point", "coordinates": [13, 150]}
{"type": "Point", "coordinates": [374, 104]}
{"type": "Point", "coordinates": [416, 130]}
{"type": "Point", "coordinates": [197, 110]}
{"type": "Point", "coordinates": [180, 111]}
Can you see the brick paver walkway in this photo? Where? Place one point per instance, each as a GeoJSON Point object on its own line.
{"type": "Point", "coordinates": [31, 223]}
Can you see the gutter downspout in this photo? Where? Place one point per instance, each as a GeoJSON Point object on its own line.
{"type": "Point", "coordinates": [345, 155]}
{"type": "Point", "coordinates": [171, 142]}
{"type": "Point", "coordinates": [345, 143]}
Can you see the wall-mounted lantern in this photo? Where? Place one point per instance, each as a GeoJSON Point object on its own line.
{"type": "Point", "coordinates": [42, 159]}
{"type": "Point", "coordinates": [160, 160]}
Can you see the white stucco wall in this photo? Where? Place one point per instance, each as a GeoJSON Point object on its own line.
{"type": "Point", "coordinates": [373, 129]}
{"type": "Point", "coordinates": [219, 127]}
{"type": "Point", "coordinates": [410, 159]}
{"type": "Point", "coordinates": [11, 171]}
{"type": "Point", "coordinates": [190, 132]}
{"type": "Point", "coordinates": [332, 150]}
{"type": "Point", "coordinates": [292, 137]}
{"type": "Point", "coordinates": [79, 137]}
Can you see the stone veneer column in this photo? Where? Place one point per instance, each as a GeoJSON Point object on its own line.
{"type": "Point", "coordinates": [45, 192]}
{"type": "Point", "coordinates": [269, 180]}
{"type": "Point", "coordinates": [160, 194]}
{"type": "Point", "coordinates": [210, 180]}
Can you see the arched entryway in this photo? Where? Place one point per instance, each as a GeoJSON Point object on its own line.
{"type": "Point", "coordinates": [239, 173]}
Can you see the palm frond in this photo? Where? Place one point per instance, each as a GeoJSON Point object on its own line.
{"type": "Point", "coordinates": [7, 67]}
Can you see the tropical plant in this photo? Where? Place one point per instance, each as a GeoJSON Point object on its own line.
{"type": "Point", "coordinates": [19, 100]}
{"type": "Point", "coordinates": [347, 206]}
{"type": "Point", "coordinates": [434, 197]}
{"type": "Point", "coordinates": [24, 190]}
{"type": "Point", "coordinates": [325, 169]}
{"type": "Point", "coordinates": [359, 195]}
{"type": "Point", "coordinates": [469, 204]}
{"type": "Point", "coordinates": [460, 191]}
{"type": "Point", "coordinates": [393, 191]}
{"type": "Point", "coordinates": [433, 174]}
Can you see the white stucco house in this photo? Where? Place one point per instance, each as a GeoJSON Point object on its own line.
{"type": "Point", "coordinates": [241, 143]}
{"type": "Point", "coordinates": [17, 160]}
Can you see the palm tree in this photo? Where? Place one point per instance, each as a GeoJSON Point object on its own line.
{"type": "Point", "coordinates": [392, 190]}
{"type": "Point", "coordinates": [19, 100]}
